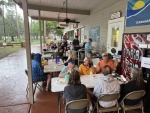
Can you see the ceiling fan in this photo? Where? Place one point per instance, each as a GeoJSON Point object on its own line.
{"type": "Point", "coordinates": [58, 27]}
{"type": "Point", "coordinates": [67, 20]}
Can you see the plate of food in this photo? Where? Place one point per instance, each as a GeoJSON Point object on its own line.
{"type": "Point", "coordinates": [60, 81]}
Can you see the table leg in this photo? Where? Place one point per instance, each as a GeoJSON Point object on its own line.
{"type": "Point", "coordinates": [59, 102]}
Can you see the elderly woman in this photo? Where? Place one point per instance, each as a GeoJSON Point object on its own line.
{"type": "Point", "coordinates": [86, 68]}
{"type": "Point", "coordinates": [74, 91]}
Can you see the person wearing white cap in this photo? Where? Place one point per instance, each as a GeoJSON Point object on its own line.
{"type": "Point", "coordinates": [106, 61]}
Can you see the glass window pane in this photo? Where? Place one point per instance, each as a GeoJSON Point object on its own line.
{"type": "Point", "coordinates": [115, 36]}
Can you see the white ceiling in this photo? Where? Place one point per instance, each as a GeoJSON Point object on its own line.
{"type": "Point", "coordinates": [82, 5]}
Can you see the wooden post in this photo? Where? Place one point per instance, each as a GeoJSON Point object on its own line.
{"type": "Point", "coordinates": [28, 49]}
{"type": "Point", "coordinates": [40, 31]}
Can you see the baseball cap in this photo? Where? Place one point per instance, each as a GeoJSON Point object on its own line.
{"type": "Point", "coordinates": [105, 54]}
{"type": "Point", "coordinates": [71, 61]}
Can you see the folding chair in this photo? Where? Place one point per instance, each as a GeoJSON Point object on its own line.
{"type": "Point", "coordinates": [133, 96]}
{"type": "Point", "coordinates": [36, 84]}
{"type": "Point", "coordinates": [78, 104]}
{"type": "Point", "coordinates": [107, 98]}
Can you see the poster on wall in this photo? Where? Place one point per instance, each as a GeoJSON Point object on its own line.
{"type": "Point", "coordinates": [132, 53]}
{"type": "Point", "coordinates": [138, 13]}
{"type": "Point", "coordinates": [94, 34]}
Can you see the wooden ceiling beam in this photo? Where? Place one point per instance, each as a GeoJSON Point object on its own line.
{"type": "Point", "coordinates": [46, 18]}
{"type": "Point", "coordinates": [56, 9]}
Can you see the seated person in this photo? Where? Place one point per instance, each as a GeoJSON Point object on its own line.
{"type": "Point", "coordinates": [72, 55]}
{"type": "Point", "coordinates": [106, 61]}
{"type": "Point", "coordinates": [136, 83]}
{"type": "Point", "coordinates": [74, 91]}
{"type": "Point", "coordinates": [68, 69]}
{"type": "Point", "coordinates": [37, 72]}
{"type": "Point", "coordinates": [106, 85]}
{"type": "Point", "coordinates": [86, 68]}
{"type": "Point", "coordinates": [57, 53]}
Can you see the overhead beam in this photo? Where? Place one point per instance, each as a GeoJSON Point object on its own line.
{"type": "Point", "coordinates": [47, 19]}
{"type": "Point", "coordinates": [56, 9]}
{"type": "Point", "coordinates": [65, 25]}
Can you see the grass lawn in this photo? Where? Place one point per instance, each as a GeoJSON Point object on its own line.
{"type": "Point", "coordinates": [8, 50]}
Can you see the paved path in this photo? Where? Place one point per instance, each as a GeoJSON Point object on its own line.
{"type": "Point", "coordinates": [13, 81]}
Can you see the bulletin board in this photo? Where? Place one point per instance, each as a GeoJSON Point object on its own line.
{"type": "Point", "coordinates": [94, 33]}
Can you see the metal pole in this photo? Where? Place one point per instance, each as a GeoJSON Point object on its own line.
{"type": "Point", "coordinates": [40, 31]}
{"type": "Point", "coordinates": [28, 49]}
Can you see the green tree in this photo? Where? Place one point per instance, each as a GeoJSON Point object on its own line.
{"type": "Point", "coordinates": [12, 23]}
{"type": "Point", "coordinates": [51, 27]}
{"type": "Point", "coordinates": [35, 29]}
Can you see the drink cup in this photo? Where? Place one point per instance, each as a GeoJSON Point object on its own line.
{"type": "Point", "coordinates": [66, 78]}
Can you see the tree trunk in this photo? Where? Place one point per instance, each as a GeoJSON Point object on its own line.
{"type": "Point", "coordinates": [12, 38]}
{"type": "Point", "coordinates": [18, 30]}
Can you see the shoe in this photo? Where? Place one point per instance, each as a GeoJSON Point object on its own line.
{"type": "Point", "coordinates": [44, 84]}
{"type": "Point", "coordinates": [46, 89]}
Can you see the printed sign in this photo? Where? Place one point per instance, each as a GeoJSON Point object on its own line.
{"type": "Point", "coordinates": [138, 13]}
{"type": "Point", "coordinates": [145, 62]}
{"type": "Point", "coordinates": [142, 45]}
{"type": "Point", "coordinates": [148, 37]}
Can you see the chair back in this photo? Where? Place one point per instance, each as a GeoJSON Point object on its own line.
{"type": "Point", "coordinates": [109, 97]}
{"type": "Point", "coordinates": [135, 95]}
{"type": "Point", "coordinates": [95, 61]}
{"type": "Point", "coordinates": [78, 104]}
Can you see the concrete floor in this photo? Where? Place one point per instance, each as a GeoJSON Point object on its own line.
{"type": "Point", "coordinates": [13, 83]}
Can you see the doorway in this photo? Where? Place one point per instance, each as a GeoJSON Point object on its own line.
{"type": "Point", "coordinates": [115, 33]}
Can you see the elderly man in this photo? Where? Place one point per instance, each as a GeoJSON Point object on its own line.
{"type": "Point", "coordinates": [106, 85]}
{"type": "Point", "coordinates": [106, 61]}
{"type": "Point", "coordinates": [68, 69]}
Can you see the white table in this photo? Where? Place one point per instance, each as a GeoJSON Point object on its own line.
{"type": "Point", "coordinates": [87, 80]}
{"type": "Point", "coordinates": [53, 68]}
{"type": "Point", "coordinates": [46, 56]}
{"type": "Point", "coordinates": [49, 51]}
{"type": "Point", "coordinates": [52, 62]}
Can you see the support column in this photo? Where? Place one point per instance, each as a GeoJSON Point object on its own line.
{"type": "Point", "coordinates": [28, 49]}
{"type": "Point", "coordinates": [45, 32]}
{"type": "Point", "coordinates": [40, 31]}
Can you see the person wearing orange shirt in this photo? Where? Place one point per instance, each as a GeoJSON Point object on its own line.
{"type": "Point", "coordinates": [86, 68]}
{"type": "Point", "coordinates": [106, 61]}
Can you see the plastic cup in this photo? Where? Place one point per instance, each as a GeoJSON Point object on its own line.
{"type": "Point", "coordinates": [66, 78]}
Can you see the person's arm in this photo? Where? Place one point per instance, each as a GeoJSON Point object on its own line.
{"type": "Point", "coordinates": [98, 67]}
{"type": "Point", "coordinates": [93, 70]}
{"type": "Point", "coordinates": [80, 70]}
{"type": "Point", "coordinates": [97, 90]}
{"type": "Point", "coordinates": [73, 42]}
{"type": "Point", "coordinates": [39, 69]}
{"type": "Point", "coordinates": [63, 72]}
{"type": "Point", "coordinates": [61, 75]}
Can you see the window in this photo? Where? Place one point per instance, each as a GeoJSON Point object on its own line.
{"type": "Point", "coordinates": [115, 36]}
